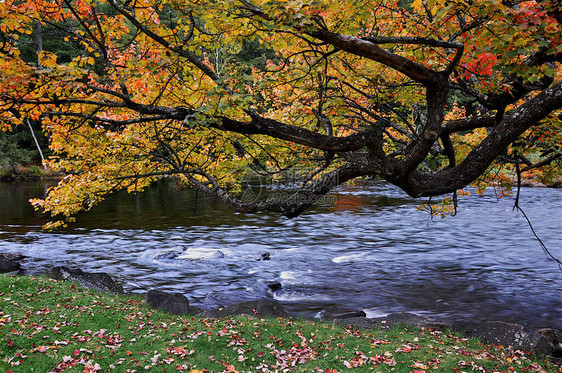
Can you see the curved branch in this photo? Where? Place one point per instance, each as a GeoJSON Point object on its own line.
{"type": "Point", "coordinates": [423, 41]}
{"type": "Point", "coordinates": [529, 114]}
{"type": "Point", "coordinates": [113, 122]}
{"type": "Point", "coordinates": [279, 130]}
{"type": "Point", "coordinates": [257, 126]}
{"type": "Point", "coordinates": [468, 124]}
{"type": "Point", "coordinates": [542, 163]}
{"type": "Point", "coordinates": [163, 42]}
{"type": "Point", "coordinates": [293, 205]}
{"type": "Point", "coordinates": [368, 49]}
{"type": "Point", "coordinates": [416, 152]}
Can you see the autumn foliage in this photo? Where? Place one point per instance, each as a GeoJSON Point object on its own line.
{"type": "Point", "coordinates": [429, 95]}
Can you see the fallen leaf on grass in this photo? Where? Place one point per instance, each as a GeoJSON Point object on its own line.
{"type": "Point", "coordinates": [392, 362]}
{"type": "Point", "coordinates": [419, 365]}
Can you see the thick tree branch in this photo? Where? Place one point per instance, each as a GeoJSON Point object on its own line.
{"type": "Point", "coordinates": [115, 124]}
{"type": "Point", "coordinates": [365, 48]}
{"type": "Point", "coordinates": [257, 126]}
{"type": "Point", "coordinates": [302, 136]}
{"type": "Point", "coordinates": [294, 204]}
{"type": "Point", "coordinates": [467, 124]}
{"type": "Point", "coordinates": [529, 114]}
{"type": "Point", "coordinates": [436, 97]}
{"type": "Point", "coordinates": [423, 41]}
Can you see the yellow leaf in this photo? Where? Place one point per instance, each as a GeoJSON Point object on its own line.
{"type": "Point", "coordinates": [47, 59]}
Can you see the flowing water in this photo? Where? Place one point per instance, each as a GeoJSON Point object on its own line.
{"type": "Point", "coordinates": [362, 248]}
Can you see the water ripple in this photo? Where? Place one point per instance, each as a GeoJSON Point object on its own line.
{"type": "Point", "coordinates": [372, 250]}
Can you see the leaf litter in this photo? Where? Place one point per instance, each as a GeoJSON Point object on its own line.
{"type": "Point", "coordinates": [61, 327]}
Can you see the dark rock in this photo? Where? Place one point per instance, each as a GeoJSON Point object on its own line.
{"type": "Point", "coordinates": [411, 319]}
{"type": "Point", "coordinates": [515, 335]}
{"type": "Point", "coordinates": [275, 286]}
{"type": "Point", "coordinates": [550, 334]}
{"type": "Point", "coordinates": [554, 339]}
{"type": "Point", "coordinates": [218, 255]}
{"type": "Point", "coordinates": [168, 255]}
{"type": "Point", "coordinates": [101, 282]}
{"type": "Point", "coordinates": [260, 308]}
{"type": "Point", "coordinates": [360, 322]}
{"type": "Point", "coordinates": [8, 265]}
{"type": "Point", "coordinates": [344, 315]}
{"type": "Point", "coordinates": [393, 319]}
{"type": "Point", "coordinates": [465, 326]}
{"type": "Point", "coordinates": [265, 256]}
{"type": "Point", "coordinates": [35, 271]}
{"type": "Point", "coordinates": [12, 256]}
{"type": "Point", "coordinates": [174, 303]}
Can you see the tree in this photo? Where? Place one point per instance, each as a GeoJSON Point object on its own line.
{"type": "Point", "coordinates": [429, 95]}
{"type": "Point", "coordinates": [13, 150]}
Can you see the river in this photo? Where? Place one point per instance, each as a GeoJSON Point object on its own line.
{"type": "Point", "coordinates": [364, 247]}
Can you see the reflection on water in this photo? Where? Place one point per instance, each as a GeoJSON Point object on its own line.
{"type": "Point", "coordinates": [370, 250]}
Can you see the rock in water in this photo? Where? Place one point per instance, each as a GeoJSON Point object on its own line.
{"type": "Point", "coordinates": [274, 286]}
{"type": "Point", "coordinates": [174, 303]}
{"type": "Point", "coordinates": [265, 256]}
{"type": "Point", "coordinates": [101, 282]}
{"type": "Point", "coordinates": [168, 255]}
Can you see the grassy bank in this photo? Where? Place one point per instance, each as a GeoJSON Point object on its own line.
{"type": "Point", "coordinates": [49, 326]}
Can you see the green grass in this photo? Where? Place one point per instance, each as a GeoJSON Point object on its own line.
{"type": "Point", "coordinates": [50, 326]}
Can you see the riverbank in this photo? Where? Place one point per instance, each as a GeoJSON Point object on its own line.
{"type": "Point", "coordinates": [61, 326]}
{"type": "Point", "coordinates": [29, 173]}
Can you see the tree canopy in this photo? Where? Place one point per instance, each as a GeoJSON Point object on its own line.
{"type": "Point", "coordinates": [430, 95]}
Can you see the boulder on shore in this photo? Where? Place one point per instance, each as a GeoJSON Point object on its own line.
{"type": "Point", "coordinates": [9, 262]}
{"type": "Point", "coordinates": [101, 282]}
{"type": "Point", "coordinates": [392, 320]}
{"type": "Point", "coordinates": [174, 303]}
{"type": "Point", "coordinates": [554, 339]}
{"type": "Point", "coordinates": [259, 308]}
{"type": "Point", "coordinates": [12, 256]}
{"type": "Point", "coordinates": [7, 265]}
{"type": "Point", "coordinates": [514, 335]}
{"type": "Point", "coordinates": [343, 315]}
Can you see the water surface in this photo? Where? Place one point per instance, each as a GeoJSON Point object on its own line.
{"type": "Point", "coordinates": [363, 248]}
